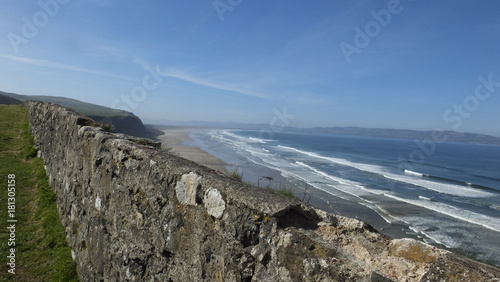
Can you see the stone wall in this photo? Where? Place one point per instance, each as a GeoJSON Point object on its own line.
{"type": "Point", "coordinates": [135, 213]}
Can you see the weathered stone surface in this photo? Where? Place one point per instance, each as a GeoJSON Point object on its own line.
{"type": "Point", "coordinates": [134, 213]}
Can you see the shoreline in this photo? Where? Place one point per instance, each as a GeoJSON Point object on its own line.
{"type": "Point", "coordinates": [174, 141]}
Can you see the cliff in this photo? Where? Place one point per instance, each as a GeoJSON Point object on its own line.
{"type": "Point", "coordinates": [133, 213]}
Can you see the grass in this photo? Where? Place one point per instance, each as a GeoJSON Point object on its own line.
{"type": "Point", "coordinates": [237, 176]}
{"type": "Point", "coordinates": [41, 250]}
{"type": "Point", "coordinates": [287, 192]}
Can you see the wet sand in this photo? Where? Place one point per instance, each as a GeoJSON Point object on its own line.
{"type": "Point", "coordinates": [174, 139]}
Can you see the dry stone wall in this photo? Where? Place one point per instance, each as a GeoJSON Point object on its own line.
{"type": "Point", "coordinates": [135, 213]}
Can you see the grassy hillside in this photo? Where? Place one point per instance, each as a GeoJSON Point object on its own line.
{"type": "Point", "coordinates": [79, 106]}
{"type": "Point", "coordinates": [82, 107]}
{"type": "Point", "coordinates": [41, 251]}
{"type": "Point", "coordinates": [121, 121]}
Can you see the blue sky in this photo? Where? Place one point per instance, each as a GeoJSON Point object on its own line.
{"type": "Point", "coordinates": [391, 64]}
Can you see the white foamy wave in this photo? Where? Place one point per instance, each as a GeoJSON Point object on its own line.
{"type": "Point", "coordinates": [437, 235]}
{"type": "Point", "coordinates": [464, 215]}
{"type": "Point", "coordinates": [413, 173]}
{"type": "Point", "coordinates": [288, 148]}
{"type": "Point", "coordinates": [384, 214]}
{"type": "Point", "coordinates": [288, 174]}
{"type": "Point", "coordinates": [450, 189]}
{"type": "Point", "coordinates": [247, 139]}
{"type": "Point", "coordinates": [347, 186]}
{"type": "Point", "coordinates": [257, 140]}
{"type": "Point", "coordinates": [439, 238]}
{"type": "Point", "coordinates": [495, 207]}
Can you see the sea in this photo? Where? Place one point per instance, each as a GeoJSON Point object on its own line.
{"type": "Point", "coordinates": [446, 194]}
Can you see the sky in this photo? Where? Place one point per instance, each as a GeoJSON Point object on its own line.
{"type": "Point", "coordinates": [423, 65]}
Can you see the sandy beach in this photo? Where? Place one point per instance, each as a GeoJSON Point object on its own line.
{"type": "Point", "coordinates": [174, 139]}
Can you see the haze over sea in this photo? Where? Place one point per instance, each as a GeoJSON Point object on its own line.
{"type": "Point", "coordinates": [450, 197]}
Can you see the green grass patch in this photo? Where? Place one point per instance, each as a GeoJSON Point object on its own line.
{"type": "Point", "coordinates": [41, 250]}
{"type": "Point", "coordinates": [237, 176]}
{"type": "Point", "coordinates": [286, 192]}
{"type": "Point", "coordinates": [282, 191]}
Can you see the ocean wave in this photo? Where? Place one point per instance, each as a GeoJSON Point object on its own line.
{"type": "Point", "coordinates": [288, 174]}
{"type": "Point", "coordinates": [459, 182]}
{"type": "Point", "coordinates": [457, 213]}
{"type": "Point", "coordinates": [451, 189]}
{"type": "Point", "coordinates": [425, 227]}
{"type": "Point", "coordinates": [495, 207]}
{"type": "Point", "coordinates": [413, 173]}
{"type": "Point", "coordinates": [383, 213]}
{"type": "Point", "coordinates": [257, 140]}
{"type": "Point", "coordinates": [349, 187]}
{"type": "Point", "coordinates": [245, 139]}
{"type": "Point", "coordinates": [439, 238]}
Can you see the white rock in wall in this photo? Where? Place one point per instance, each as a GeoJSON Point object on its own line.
{"type": "Point", "coordinates": [214, 203]}
{"type": "Point", "coordinates": [98, 203]}
{"type": "Point", "coordinates": [187, 188]}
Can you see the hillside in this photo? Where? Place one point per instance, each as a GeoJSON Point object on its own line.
{"type": "Point", "coordinates": [121, 121]}
{"type": "Point", "coordinates": [6, 100]}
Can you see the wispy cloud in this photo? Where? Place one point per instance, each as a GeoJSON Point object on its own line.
{"type": "Point", "coordinates": [50, 64]}
{"type": "Point", "coordinates": [264, 84]}
{"type": "Point", "coordinates": [212, 83]}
